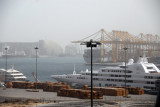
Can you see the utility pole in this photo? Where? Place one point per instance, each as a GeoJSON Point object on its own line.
{"type": "Point", "coordinates": [125, 49]}
{"type": "Point", "coordinates": [36, 48]}
{"type": "Point", "coordinates": [91, 44]}
{"type": "Point", "coordinates": [6, 65]}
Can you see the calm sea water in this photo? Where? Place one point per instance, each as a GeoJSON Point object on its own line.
{"type": "Point", "coordinates": [47, 66]}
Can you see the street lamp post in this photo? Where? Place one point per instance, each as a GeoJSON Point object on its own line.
{"type": "Point", "coordinates": [36, 48]}
{"type": "Point", "coordinates": [125, 49]}
{"type": "Point", "coordinates": [91, 44]}
{"type": "Point", "coordinates": [6, 64]}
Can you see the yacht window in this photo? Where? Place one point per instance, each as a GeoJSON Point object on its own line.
{"type": "Point", "coordinates": [148, 82]}
{"type": "Point", "coordinates": [152, 88]}
{"type": "Point", "coordinates": [157, 82]}
{"type": "Point", "coordinates": [103, 70]}
{"type": "Point", "coordinates": [123, 67]}
{"type": "Point", "coordinates": [147, 87]}
{"type": "Point", "coordinates": [99, 75]}
{"type": "Point", "coordinates": [120, 80]}
{"type": "Point", "coordinates": [129, 71]}
{"type": "Point", "coordinates": [130, 81]}
{"type": "Point", "coordinates": [149, 67]}
{"type": "Point", "coordinates": [95, 78]}
{"type": "Point", "coordinates": [153, 72]}
{"type": "Point", "coordinates": [112, 75]}
{"type": "Point", "coordinates": [128, 76]}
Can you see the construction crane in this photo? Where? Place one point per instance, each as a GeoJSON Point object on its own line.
{"type": "Point", "coordinates": [115, 41]}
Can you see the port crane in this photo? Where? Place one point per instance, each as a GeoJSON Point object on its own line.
{"type": "Point", "coordinates": [114, 42]}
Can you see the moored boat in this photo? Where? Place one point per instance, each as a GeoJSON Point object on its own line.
{"type": "Point", "coordinates": [140, 74]}
{"type": "Point", "coordinates": [11, 75]}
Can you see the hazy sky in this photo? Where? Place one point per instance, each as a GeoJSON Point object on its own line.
{"type": "Point", "coordinates": [67, 20]}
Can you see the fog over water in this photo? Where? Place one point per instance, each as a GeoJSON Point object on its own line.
{"type": "Point", "coordinates": [66, 20]}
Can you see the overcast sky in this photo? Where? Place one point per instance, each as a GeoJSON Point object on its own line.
{"type": "Point", "coordinates": [67, 20]}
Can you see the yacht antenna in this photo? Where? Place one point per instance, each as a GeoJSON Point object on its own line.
{"type": "Point", "coordinates": [74, 72]}
{"type": "Point", "coordinates": [74, 67]}
{"type": "Point", "coordinates": [12, 67]}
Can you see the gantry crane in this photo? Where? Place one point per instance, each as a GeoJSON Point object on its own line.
{"type": "Point", "coordinates": [117, 40]}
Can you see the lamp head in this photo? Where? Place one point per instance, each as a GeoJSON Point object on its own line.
{"type": "Point", "coordinates": [125, 48]}
{"type": "Point", "coordinates": [91, 43]}
{"type": "Point", "coordinates": [6, 48]}
{"type": "Point", "coordinates": [36, 48]}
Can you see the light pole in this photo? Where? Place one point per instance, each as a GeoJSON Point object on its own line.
{"type": "Point", "coordinates": [91, 44]}
{"type": "Point", "coordinates": [36, 48]}
{"type": "Point", "coordinates": [6, 64]}
{"type": "Point", "coordinates": [125, 49]}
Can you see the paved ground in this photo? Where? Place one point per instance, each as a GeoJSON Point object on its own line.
{"type": "Point", "coordinates": [74, 102]}
{"type": "Point", "coordinates": [22, 93]}
{"type": "Point", "coordinates": [99, 104]}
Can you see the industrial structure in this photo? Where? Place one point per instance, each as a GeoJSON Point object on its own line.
{"type": "Point", "coordinates": [114, 42]}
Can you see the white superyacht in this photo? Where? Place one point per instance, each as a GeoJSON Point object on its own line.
{"type": "Point", "coordinates": [11, 75]}
{"type": "Point", "coordinates": [140, 74]}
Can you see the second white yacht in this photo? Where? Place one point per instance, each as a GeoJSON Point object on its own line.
{"type": "Point", "coordinates": [140, 74]}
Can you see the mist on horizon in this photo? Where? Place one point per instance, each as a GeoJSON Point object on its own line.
{"type": "Point", "coordinates": [64, 21]}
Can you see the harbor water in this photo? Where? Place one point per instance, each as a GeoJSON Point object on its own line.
{"type": "Point", "coordinates": [46, 66]}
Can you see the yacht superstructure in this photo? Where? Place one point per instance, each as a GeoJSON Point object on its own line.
{"type": "Point", "coordinates": [11, 75]}
{"type": "Point", "coordinates": [140, 74]}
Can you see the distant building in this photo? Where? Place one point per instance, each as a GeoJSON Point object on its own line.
{"type": "Point", "coordinates": [46, 48]}
{"type": "Point", "coordinates": [72, 50]}
{"type": "Point", "coordinates": [17, 48]}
